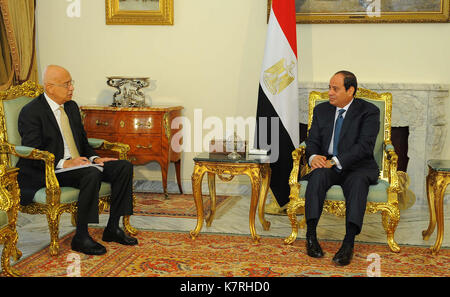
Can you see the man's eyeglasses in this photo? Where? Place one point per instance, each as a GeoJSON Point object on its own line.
{"type": "Point", "coordinates": [65, 85]}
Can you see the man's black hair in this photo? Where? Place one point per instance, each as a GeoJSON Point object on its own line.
{"type": "Point", "coordinates": [349, 80]}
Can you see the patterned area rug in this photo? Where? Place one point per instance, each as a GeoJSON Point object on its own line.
{"type": "Point", "coordinates": [177, 255]}
{"type": "Point", "coordinates": [178, 205]}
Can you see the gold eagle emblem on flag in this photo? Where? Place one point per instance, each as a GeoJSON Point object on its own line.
{"type": "Point", "coordinates": [279, 76]}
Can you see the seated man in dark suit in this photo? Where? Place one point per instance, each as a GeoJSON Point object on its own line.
{"type": "Point", "coordinates": [52, 122]}
{"type": "Point", "coordinates": [339, 150]}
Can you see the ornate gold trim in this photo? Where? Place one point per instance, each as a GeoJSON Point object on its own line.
{"type": "Point", "coordinates": [385, 17]}
{"type": "Point", "coordinates": [9, 203]}
{"type": "Point", "coordinates": [121, 148]}
{"type": "Point", "coordinates": [28, 89]}
{"type": "Point", "coordinates": [166, 123]}
{"type": "Point", "coordinates": [115, 16]}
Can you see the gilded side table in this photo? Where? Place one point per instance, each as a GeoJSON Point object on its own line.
{"type": "Point", "coordinates": [437, 180]}
{"type": "Point", "coordinates": [256, 168]}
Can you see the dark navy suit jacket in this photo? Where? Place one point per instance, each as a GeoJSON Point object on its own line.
{"type": "Point", "coordinates": [357, 138]}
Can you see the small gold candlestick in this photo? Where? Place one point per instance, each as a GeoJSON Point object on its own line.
{"type": "Point", "coordinates": [234, 155]}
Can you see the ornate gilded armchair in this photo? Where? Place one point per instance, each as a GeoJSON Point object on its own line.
{"type": "Point", "coordinates": [9, 207]}
{"type": "Point", "coordinates": [382, 197]}
{"type": "Point", "coordinates": [51, 200]}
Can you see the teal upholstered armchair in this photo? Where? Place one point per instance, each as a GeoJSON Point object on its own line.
{"type": "Point", "coordinates": [51, 200]}
{"type": "Point", "coordinates": [382, 197]}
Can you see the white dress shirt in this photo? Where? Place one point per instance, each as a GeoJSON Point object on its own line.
{"type": "Point", "coordinates": [57, 113]}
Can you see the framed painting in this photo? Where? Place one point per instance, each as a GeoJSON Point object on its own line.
{"type": "Point", "coordinates": [139, 12]}
{"type": "Point", "coordinates": [371, 11]}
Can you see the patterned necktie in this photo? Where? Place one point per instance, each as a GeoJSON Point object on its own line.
{"type": "Point", "coordinates": [337, 131]}
{"type": "Point", "coordinates": [67, 133]}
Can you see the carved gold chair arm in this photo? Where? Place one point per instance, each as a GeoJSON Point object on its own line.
{"type": "Point", "coordinates": [297, 155]}
{"type": "Point", "coordinates": [100, 144]}
{"type": "Point", "coordinates": [6, 199]}
{"type": "Point", "coordinates": [392, 163]}
{"type": "Point", "coordinates": [52, 186]}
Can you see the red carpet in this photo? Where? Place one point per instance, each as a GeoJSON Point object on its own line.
{"type": "Point", "coordinates": [177, 205]}
{"type": "Point", "coordinates": [176, 254]}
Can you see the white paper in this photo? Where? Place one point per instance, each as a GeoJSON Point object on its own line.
{"type": "Point", "coordinates": [257, 152]}
{"type": "Point", "coordinates": [99, 167]}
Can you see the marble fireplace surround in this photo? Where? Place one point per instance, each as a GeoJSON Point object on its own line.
{"type": "Point", "coordinates": [421, 107]}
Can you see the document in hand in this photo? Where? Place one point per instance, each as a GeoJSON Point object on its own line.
{"type": "Point", "coordinates": [99, 167]}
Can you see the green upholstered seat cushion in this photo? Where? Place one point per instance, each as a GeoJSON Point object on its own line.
{"type": "Point", "coordinates": [3, 218]}
{"type": "Point", "coordinates": [95, 142]}
{"type": "Point", "coordinates": [378, 150]}
{"type": "Point", "coordinates": [12, 109]}
{"type": "Point", "coordinates": [69, 194]}
{"type": "Point", "coordinates": [377, 193]}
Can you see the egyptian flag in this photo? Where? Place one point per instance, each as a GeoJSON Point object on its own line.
{"type": "Point", "coordinates": [278, 97]}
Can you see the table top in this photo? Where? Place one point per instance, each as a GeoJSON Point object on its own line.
{"type": "Point", "coordinates": [256, 159]}
{"type": "Point", "coordinates": [439, 164]}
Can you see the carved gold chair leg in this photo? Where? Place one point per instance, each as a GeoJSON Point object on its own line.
{"type": "Point", "coordinates": [53, 225]}
{"type": "Point", "coordinates": [73, 219]}
{"type": "Point", "coordinates": [104, 203]}
{"type": "Point", "coordinates": [302, 223]}
{"type": "Point", "coordinates": [390, 219]}
{"type": "Point", "coordinates": [10, 250]}
{"type": "Point", "coordinates": [130, 230]}
{"type": "Point", "coordinates": [294, 206]}
{"type": "Point", "coordinates": [16, 253]}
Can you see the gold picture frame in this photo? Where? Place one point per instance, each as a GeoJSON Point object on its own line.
{"type": "Point", "coordinates": [139, 12]}
{"type": "Point", "coordinates": [371, 11]}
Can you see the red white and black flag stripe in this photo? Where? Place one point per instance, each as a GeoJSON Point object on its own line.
{"type": "Point", "coordinates": [277, 126]}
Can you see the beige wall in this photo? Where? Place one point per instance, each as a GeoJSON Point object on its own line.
{"type": "Point", "coordinates": [211, 57]}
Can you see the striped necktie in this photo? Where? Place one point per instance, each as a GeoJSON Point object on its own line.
{"type": "Point", "coordinates": [337, 131]}
{"type": "Point", "coordinates": [67, 134]}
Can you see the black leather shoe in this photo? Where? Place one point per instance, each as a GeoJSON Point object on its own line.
{"type": "Point", "coordinates": [313, 248]}
{"type": "Point", "coordinates": [87, 245]}
{"type": "Point", "coordinates": [119, 236]}
{"type": "Point", "coordinates": [344, 255]}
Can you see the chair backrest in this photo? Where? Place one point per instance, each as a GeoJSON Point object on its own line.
{"type": "Point", "coordinates": [383, 102]}
{"type": "Point", "coordinates": [11, 103]}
